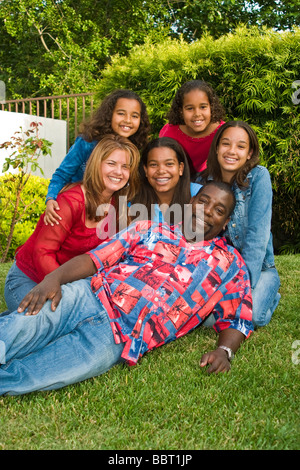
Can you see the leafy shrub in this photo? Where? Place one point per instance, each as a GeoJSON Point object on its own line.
{"type": "Point", "coordinates": [253, 73]}
{"type": "Point", "coordinates": [31, 206]}
{"type": "Point", "coordinates": [25, 147]}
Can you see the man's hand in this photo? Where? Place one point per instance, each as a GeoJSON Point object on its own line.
{"type": "Point", "coordinates": [36, 298]}
{"type": "Point", "coordinates": [80, 267]}
{"type": "Point", "coordinates": [218, 361]}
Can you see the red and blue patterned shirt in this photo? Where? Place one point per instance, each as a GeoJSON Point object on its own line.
{"type": "Point", "coordinates": [156, 286]}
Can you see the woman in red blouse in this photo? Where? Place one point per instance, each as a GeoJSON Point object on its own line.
{"type": "Point", "coordinates": [89, 214]}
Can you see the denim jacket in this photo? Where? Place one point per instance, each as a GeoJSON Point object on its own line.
{"type": "Point", "coordinates": [72, 167]}
{"type": "Point", "coordinates": [249, 228]}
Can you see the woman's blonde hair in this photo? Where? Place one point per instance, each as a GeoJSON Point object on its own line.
{"type": "Point", "coordinates": [92, 179]}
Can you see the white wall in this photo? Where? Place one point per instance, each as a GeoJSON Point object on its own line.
{"type": "Point", "coordinates": [53, 130]}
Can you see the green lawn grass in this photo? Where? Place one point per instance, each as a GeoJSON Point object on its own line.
{"type": "Point", "coordinates": [167, 403]}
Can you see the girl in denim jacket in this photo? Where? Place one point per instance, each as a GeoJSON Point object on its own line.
{"type": "Point", "coordinates": [122, 112]}
{"type": "Point", "coordinates": [234, 158]}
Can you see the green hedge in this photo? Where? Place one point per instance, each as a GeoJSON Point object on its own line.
{"type": "Point", "coordinates": [253, 74]}
{"type": "Point", "coordinates": [32, 205]}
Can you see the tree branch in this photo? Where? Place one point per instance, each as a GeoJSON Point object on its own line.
{"type": "Point", "coordinates": [41, 35]}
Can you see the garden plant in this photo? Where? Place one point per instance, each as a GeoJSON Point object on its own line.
{"type": "Point", "coordinates": [27, 146]}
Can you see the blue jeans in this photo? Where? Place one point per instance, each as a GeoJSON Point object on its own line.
{"type": "Point", "coordinates": [17, 285]}
{"type": "Point", "coordinates": [53, 349]}
{"type": "Point", "coordinates": [265, 298]}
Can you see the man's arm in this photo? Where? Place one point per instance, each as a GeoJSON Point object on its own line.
{"type": "Point", "coordinates": [80, 267]}
{"type": "Point", "coordinates": [232, 329]}
{"type": "Point", "coordinates": [218, 359]}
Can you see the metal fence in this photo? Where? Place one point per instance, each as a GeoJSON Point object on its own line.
{"type": "Point", "coordinates": [71, 108]}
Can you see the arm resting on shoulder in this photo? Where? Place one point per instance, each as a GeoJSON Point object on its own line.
{"type": "Point", "coordinates": [70, 168]}
{"type": "Point", "coordinates": [77, 268]}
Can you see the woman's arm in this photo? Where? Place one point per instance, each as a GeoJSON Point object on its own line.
{"type": "Point", "coordinates": [107, 254]}
{"type": "Point", "coordinates": [71, 168]}
{"type": "Point", "coordinates": [258, 225]}
{"type": "Point", "coordinates": [50, 239]}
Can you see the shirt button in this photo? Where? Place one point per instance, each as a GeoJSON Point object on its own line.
{"type": "Point", "coordinates": [156, 299]}
{"type": "Point", "coordinates": [234, 225]}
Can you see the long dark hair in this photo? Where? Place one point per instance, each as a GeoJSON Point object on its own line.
{"type": "Point", "coordinates": [99, 124]}
{"type": "Point", "coordinates": [182, 194]}
{"type": "Point", "coordinates": [175, 116]}
{"type": "Point", "coordinates": [213, 169]}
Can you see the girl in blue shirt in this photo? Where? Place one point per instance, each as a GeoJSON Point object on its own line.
{"type": "Point", "coordinates": [234, 158]}
{"type": "Point", "coordinates": [122, 112]}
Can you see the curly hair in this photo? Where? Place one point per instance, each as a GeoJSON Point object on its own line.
{"type": "Point", "coordinates": [99, 124]}
{"type": "Point", "coordinates": [213, 169]}
{"type": "Point", "coordinates": [175, 116]}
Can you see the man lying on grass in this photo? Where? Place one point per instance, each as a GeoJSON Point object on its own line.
{"type": "Point", "coordinates": [150, 285]}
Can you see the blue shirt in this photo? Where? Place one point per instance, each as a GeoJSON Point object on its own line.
{"type": "Point", "coordinates": [158, 215]}
{"type": "Point", "coordinates": [72, 167]}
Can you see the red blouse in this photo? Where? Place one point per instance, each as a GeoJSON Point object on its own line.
{"type": "Point", "coordinates": [49, 247]}
{"type": "Point", "coordinates": [197, 148]}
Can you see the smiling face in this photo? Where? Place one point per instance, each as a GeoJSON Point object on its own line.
{"type": "Point", "coordinates": [216, 205]}
{"type": "Point", "coordinates": [115, 171]}
{"type": "Point", "coordinates": [196, 113]}
{"type": "Point", "coordinates": [126, 117]}
{"type": "Point", "coordinates": [233, 151]}
{"type": "Point", "coordinates": [163, 172]}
